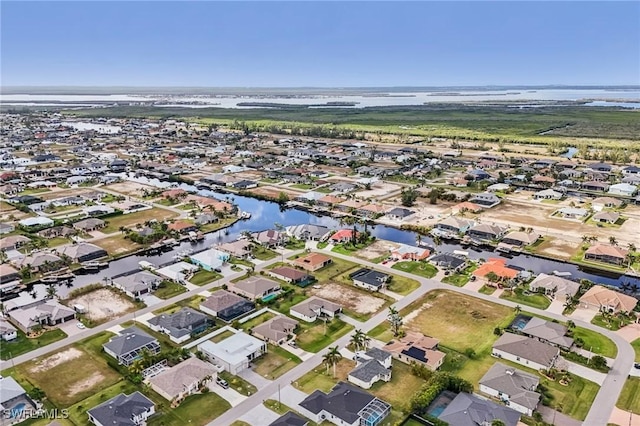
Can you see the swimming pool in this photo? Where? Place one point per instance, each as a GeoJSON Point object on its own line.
{"type": "Point", "coordinates": [437, 410]}
{"type": "Point", "coordinates": [269, 297]}
{"type": "Point", "coordinates": [17, 410]}
{"type": "Point", "coordinates": [519, 322]}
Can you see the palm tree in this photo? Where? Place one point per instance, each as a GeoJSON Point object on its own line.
{"type": "Point", "coordinates": [360, 340]}
{"type": "Point", "coordinates": [418, 239]}
{"type": "Point", "coordinates": [331, 358]}
{"type": "Point", "coordinates": [52, 291]}
{"type": "Point", "coordinates": [571, 325]}
{"type": "Point", "coordinates": [613, 241]}
{"type": "Point", "coordinates": [631, 247]}
{"type": "Point", "coordinates": [395, 319]}
{"type": "Point", "coordinates": [517, 309]}
{"type": "Point", "coordinates": [585, 239]}
{"type": "Point", "coordinates": [136, 367]}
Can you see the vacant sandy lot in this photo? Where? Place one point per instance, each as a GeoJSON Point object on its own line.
{"type": "Point", "coordinates": [55, 360]}
{"type": "Point", "coordinates": [557, 248]}
{"type": "Point", "coordinates": [350, 298]}
{"type": "Point", "coordinates": [129, 188]}
{"type": "Point", "coordinates": [274, 192]}
{"type": "Point", "coordinates": [378, 189]}
{"type": "Point", "coordinates": [377, 249]}
{"type": "Point", "coordinates": [94, 379]}
{"type": "Point", "coordinates": [103, 304]}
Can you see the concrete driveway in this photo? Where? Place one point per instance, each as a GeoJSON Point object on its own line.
{"type": "Point", "coordinates": [583, 314]}
{"type": "Point", "coordinates": [230, 395]}
{"type": "Point", "coordinates": [556, 307]}
{"type": "Point", "coordinates": [254, 378]}
{"type": "Point", "coordinates": [71, 327]}
{"type": "Point", "coordinates": [630, 332]}
{"type": "Point", "coordinates": [259, 416]}
{"type": "Point", "coordinates": [290, 396]}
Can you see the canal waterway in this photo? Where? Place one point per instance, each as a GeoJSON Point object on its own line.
{"type": "Point", "coordinates": [265, 214]}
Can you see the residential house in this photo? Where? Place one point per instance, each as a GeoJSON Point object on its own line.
{"type": "Point", "coordinates": [548, 194]}
{"type": "Point", "coordinates": [417, 348]}
{"type": "Point", "coordinates": [600, 298]}
{"type": "Point", "coordinates": [407, 252]}
{"type": "Point", "coordinates": [606, 217]}
{"type": "Point", "coordinates": [205, 219]}
{"type": "Point", "coordinates": [486, 199]}
{"type": "Point", "coordinates": [277, 330]}
{"type": "Point", "coordinates": [47, 313]}
{"type": "Point", "coordinates": [351, 205]}
{"type": "Point", "coordinates": [330, 201]}
{"type": "Point", "coordinates": [313, 261]}
{"type": "Point", "coordinates": [624, 189]}
{"type": "Point", "coordinates": [180, 325]}
{"type": "Point", "coordinates": [466, 206]}
{"type": "Point", "coordinates": [210, 259]}
{"type": "Point", "coordinates": [595, 186]}
{"type": "Point", "coordinates": [269, 238]}
{"type": "Point", "coordinates": [600, 167]}
{"type": "Point", "coordinates": [515, 388]}
{"type": "Point", "coordinates": [6, 228]}
{"type": "Point", "coordinates": [449, 261]}
{"type": "Point", "coordinates": [255, 288]}
{"type": "Point", "coordinates": [370, 279]}
{"type": "Point", "coordinates": [600, 203]}
{"type": "Point", "coordinates": [453, 225]}
{"type": "Point", "coordinates": [521, 238]}
{"type": "Point", "coordinates": [372, 366]}
{"type": "Point", "coordinates": [129, 345]}
{"type": "Point", "coordinates": [83, 252]}
{"type": "Point", "coordinates": [183, 379]}
{"type": "Point", "coordinates": [291, 275]}
{"type": "Point", "coordinates": [606, 253]}
{"type": "Point", "coordinates": [486, 232]}
{"type": "Point", "coordinates": [631, 170]}
{"type": "Point", "coordinates": [137, 284]}
{"type": "Point", "coordinates": [239, 248]}
{"type": "Point", "coordinates": [572, 213]}
{"type": "Point", "coordinates": [38, 221]}
{"type": "Point", "coordinates": [182, 227]}
{"type": "Point", "coordinates": [226, 305]}
{"type": "Point", "coordinates": [343, 236]}
{"type": "Point", "coordinates": [123, 410]}
{"type": "Point", "coordinates": [400, 214]}
{"type": "Point", "coordinates": [88, 225]}
{"type": "Point", "coordinates": [372, 211]}
{"type": "Point", "coordinates": [525, 351]}
{"type": "Point", "coordinates": [315, 308]}
{"type": "Point", "coordinates": [556, 287]}
{"type": "Point", "coordinates": [546, 331]}
{"type": "Point", "coordinates": [13, 242]}
{"type": "Point", "coordinates": [7, 331]}
{"type": "Point", "coordinates": [8, 273]}
{"type": "Point", "coordinates": [345, 405]}
{"type": "Point", "coordinates": [308, 232]}
{"type": "Point", "coordinates": [471, 410]}
{"type": "Point", "coordinates": [290, 419]}
{"type": "Point", "coordinates": [498, 267]}
{"type": "Point", "coordinates": [15, 404]}
{"type": "Point", "coordinates": [234, 353]}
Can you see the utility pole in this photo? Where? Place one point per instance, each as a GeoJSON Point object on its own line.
{"type": "Point", "coordinates": [278, 395]}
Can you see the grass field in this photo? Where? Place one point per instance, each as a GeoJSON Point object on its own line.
{"type": "Point", "coordinates": [422, 269]}
{"type": "Point", "coordinates": [22, 344]}
{"type": "Point", "coordinates": [117, 245]}
{"type": "Point", "coordinates": [84, 373]}
{"type": "Point", "coordinates": [402, 285]}
{"type": "Point", "coordinates": [322, 379]}
{"type": "Point", "coordinates": [263, 253]}
{"type": "Point", "coordinates": [275, 362]}
{"type": "Point", "coordinates": [382, 332]}
{"type": "Point", "coordinates": [459, 321]}
{"type": "Point", "coordinates": [130, 220]}
{"type": "Point", "coordinates": [460, 278]}
{"type": "Point", "coordinates": [197, 409]}
{"type": "Point", "coordinates": [596, 342]}
{"type": "Point", "coordinates": [485, 289]}
{"type": "Point", "coordinates": [610, 323]}
{"type": "Point", "coordinates": [535, 300]}
{"type": "Point", "coordinates": [169, 289]}
{"type": "Point", "coordinates": [636, 347]}
{"type": "Point", "coordinates": [220, 337]}
{"type": "Point", "coordinates": [312, 338]}
{"type": "Point", "coordinates": [335, 268]}
{"type": "Point", "coordinates": [399, 390]}
{"type": "Point", "coordinates": [239, 384]}
{"type": "Point", "coordinates": [487, 123]}
{"type": "Point", "coordinates": [629, 399]}
{"type": "Point", "coordinates": [264, 317]}
{"type": "Point", "coordinates": [203, 277]}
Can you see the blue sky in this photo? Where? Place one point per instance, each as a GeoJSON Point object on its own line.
{"type": "Point", "coordinates": [324, 44]}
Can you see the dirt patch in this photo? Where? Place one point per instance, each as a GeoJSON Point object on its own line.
{"type": "Point", "coordinates": [103, 304]}
{"type": "Point", "coordinates": [557, 248]}
{"type": "Point", "coordinates": [349, 298]}
{"type": "Point", "coordinates": [129, 188]}
{"type": "Point", "coordinates": [377, 249]}
{"type": "Point", "coordinates": [413, 314]}
{"type": "Point", "coordinates": [94, 379]}
{"type": "Point", "coordinates": [273, 192]}
{"type": "Point", "coordinates": [56, 359]}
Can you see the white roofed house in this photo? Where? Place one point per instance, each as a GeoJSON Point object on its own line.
{"type": "Point", "coordinates": [548, 194]}
{"type": "Point", "coordinates": [137, 284]}
{"type": "Point", "coordinates": [7, 330]}
{"type": "Point", "coordinates": [233, 353]}
{"type": "Point", "coordinates": [624, 189]}
{"type": "Point", "coordinates": [486, 199]}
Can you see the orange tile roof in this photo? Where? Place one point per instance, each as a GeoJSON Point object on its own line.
{"type": "Point", "coordinates": [497, 266]}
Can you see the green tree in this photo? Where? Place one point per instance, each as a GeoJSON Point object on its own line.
{"type": "Point", "coordinates": [331, 358]}
{"type": "Point", "coordinates": [395, 320]}
{"type": "Point", "coordinates": [408, 197]}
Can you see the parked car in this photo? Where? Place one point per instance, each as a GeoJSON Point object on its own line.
{"type": "Point", "coordinates": [81, 326]}
{"type": "Point", "coordinates": [222, 383]}
{"type": "Point", "coordinates": [636, 365]}
{"type": "Point", "coordinates": [292, 343]}
{"type": "Point", "coordinates": [218, 270]}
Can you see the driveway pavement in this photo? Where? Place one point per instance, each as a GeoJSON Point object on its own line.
{"type": "Point", "coordinates": [582, 314]}
{"type": "Point", "coordinates": [290, 396]}
{"type": "Point", "coordinates": [230, 395]}
{"type": "Point", "coordinates": [630, 332]}
{"type": "Point", "coordinates": [558, 419]}
{"type": "Point", "coordinates": [623, 418]}
{"type": "Point", "coordinates": [259, 415]}
{"type": "Point", "coordinates": [474, 285]}
{"type": "Point", "coordinates": [556, 307]}
{"type": "Point", "coordinates": [71, 327]}
{"type": "Point", "coordinates": [254, 378]}
{"type": "Point", "coordinates": [151, 300]}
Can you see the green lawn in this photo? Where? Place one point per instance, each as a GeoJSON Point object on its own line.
{"type": "Point", "coordinates": [610, 322]}
{"type": "Point", "coordinates": [596, 342]}
{"type": "Point", "coordinates": [382, 332]}
{"type": "Point", "coordinates": [22, 344]}
{"type": "Point", "coordinates": [220, 337]}
{"type": "Point", "coordinates": [130, 220]}
{"type": "Point", "coordinates": [629, 399]}
{"type": "Point", "coordinates": [240, 423]}
{"type": "Point", "coordinates": [263, 253]}
{"type": "Point", "coordinates": [399, 390]}
{"type": "Point", "coordinates": [461, 278]}
{"type": "Point", "coordinates": [636, 347]}
{"type": "Point", "coordinates": [275, 362]}
{"type": "Point", "coordinates": [197, 409]}
{"type": "Point", "coordinates": [203, 277]}
{"type": "Point", "coordinates": [294, 244]}
{"type": "Point", "coordinates": [239, 384]}
{"type": "Point", "coordinates": [34, 191]}
{"type": "Point", "coordinates": [535, 300]}
{"type": "Point", "coordinates": [485, 289]}
{"type": "Point", "coordinates": [302, 186]}
{"type": "Point", "coordinates": [312, 337]}
{"type": "Point", "coordinates": [422, 269]}
{"type": "Point", "coordinates": [321, 379]}
{"type": "Point", "coordinates": [334, 269]}
{"type": "Point", "coordinates": [168, 289]}
{"type": "Point", "coordinates": [264, 317]}
{"type": "Point", "coordinates": [402, 285]}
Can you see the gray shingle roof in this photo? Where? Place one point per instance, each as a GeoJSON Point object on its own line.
{"type": "Point", "coordinates": [518, 385]}
{"type": "Point", "coordinates": [368, 370]}
{"type": "Point", "coordinates": [470, 410]}
{"type": "Point", "coordinates": [527, 348]}
{"type": "Point", "coordinates": [344, 401]}
{"type": "Point", "coordinates": [119, 411]}
{"type": "Point", "coordinates": [181, 322]}
{"type": "Point", "coordinates": [129, 340]}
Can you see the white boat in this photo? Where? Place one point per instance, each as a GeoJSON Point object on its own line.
{"type": "Point", "coordinates": [244, 215]}
{"type": "Point", "coordinates": [562, 274]}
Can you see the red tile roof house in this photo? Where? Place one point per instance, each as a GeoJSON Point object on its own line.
{"type": "Point", "coordinates": [182, 227]}
{"type": "Point", "coordinates": [313, 261]}
{"type": "Point", "coordinates": [606, 253]}
{"type": "Point", "coordinates": [498, 267]}
{"type": "Point", "coordinates": [174, 194]}
{"type": "Point", "coordinates": [343, 236]}
{"type": "Point", "coordinates": [289, 275]}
